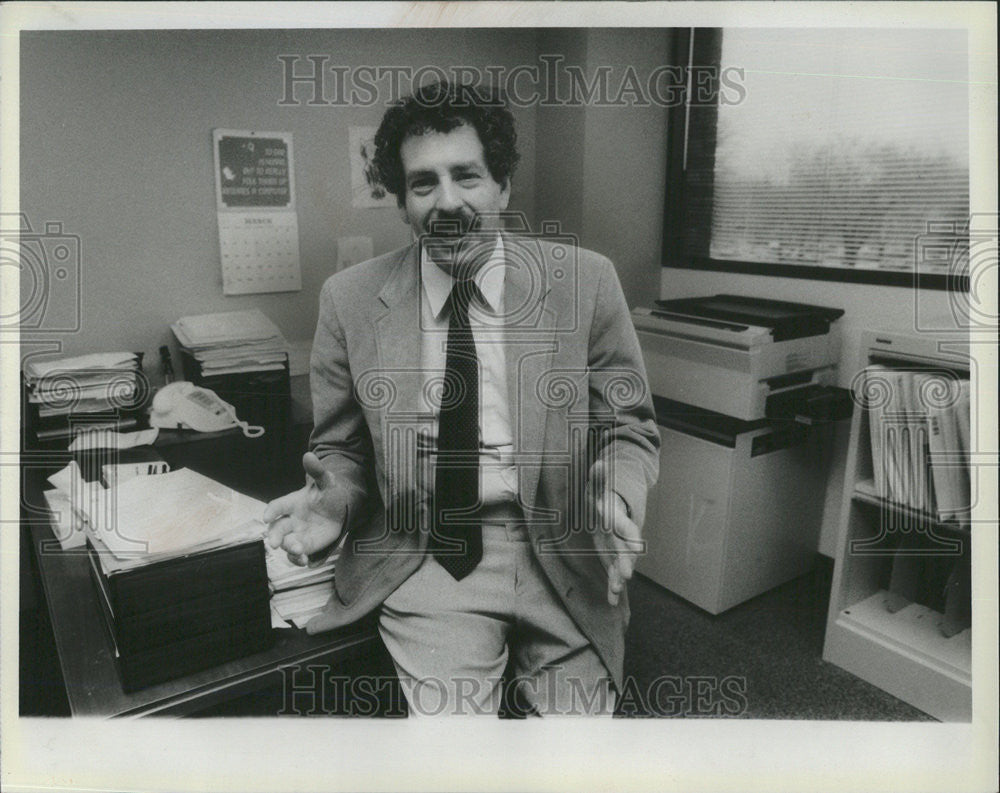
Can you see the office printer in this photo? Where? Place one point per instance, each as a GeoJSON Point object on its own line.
{"type": "Point", "coordinates": [744, 397]}
{"type": "Point", "coordinates": [747, 358]}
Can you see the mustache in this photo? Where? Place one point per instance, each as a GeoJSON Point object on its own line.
{"type": "Point", "coordinates": [449, 224]}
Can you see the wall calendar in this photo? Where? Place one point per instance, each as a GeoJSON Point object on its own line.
{"type": "Point", "coordinates": [255, 203]}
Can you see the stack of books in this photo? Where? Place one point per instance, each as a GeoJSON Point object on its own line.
{"type": "Point", "coordinates": [68, 395]}
{"type": "Point", "coordinates": [243, 357]}
{"type": "Point", "coordinates": [179, 564]}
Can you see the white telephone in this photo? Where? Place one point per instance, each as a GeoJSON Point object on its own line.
{"type": "Point", "coordinates": [188, 406]}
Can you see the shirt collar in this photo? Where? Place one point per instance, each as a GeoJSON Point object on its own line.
{"type": "Point", "coordinates": [489, 278]}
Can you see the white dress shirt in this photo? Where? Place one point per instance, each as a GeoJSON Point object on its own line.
{"type": "Point", "coordinates": [498, 475]}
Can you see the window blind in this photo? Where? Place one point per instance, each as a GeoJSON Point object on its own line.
{"type": "Point", "coordinates": [849, 150]}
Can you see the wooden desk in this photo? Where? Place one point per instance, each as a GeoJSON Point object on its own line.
{"type": "Point", "coordinates": [264, 468]}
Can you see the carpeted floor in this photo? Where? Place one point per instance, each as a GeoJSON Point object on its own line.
{"type": "Point", "coordinates": [759, 660]}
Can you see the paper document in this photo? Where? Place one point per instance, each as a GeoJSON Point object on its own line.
{"type": "Point", "coordinates": [227, 326]}
{"type": "Point", "coordinates": [298, 606]}
{"type": "Point", "coordinates": [66, 523]}
{"type": "Point", "coordinates": [232, 341]}
{"type": "Point", "coordinates": [168, 513]}
{"type": "Point", "coordinates": [283, 574]}
{"type": "Point", "coordinates": [109, 439]}
{"type": "Point", "coordinates": [300, 593]}
{"type": "Point", "coordinates": [67, 478]}
{"type": "Point", "coordinates": [35, 370]}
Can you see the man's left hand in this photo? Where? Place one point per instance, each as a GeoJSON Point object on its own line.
{"type": "Point", "coordinates": [617, 538]}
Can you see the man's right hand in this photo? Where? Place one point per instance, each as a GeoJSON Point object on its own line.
{"type": "Point", "coordinates": [308, 522]}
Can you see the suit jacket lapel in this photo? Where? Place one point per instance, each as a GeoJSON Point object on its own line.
{"type": "Point", "coordinates": [397, 330]}
{"type": "Point", "coordinates": [529, 348]}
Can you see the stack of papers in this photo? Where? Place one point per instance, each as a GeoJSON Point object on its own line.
{"type": "Point", "coordinates": [178, 568]}
{"type": "Point", "coordinates": [232, 342]}
{"type": "Point", "coordinates": [151, 518]}
{"type": "Point", "coordinates": [175, 513]}
{"type": "Point", "coordinates": [300, 593]}
{"type": "Point", "coordinates": [83, 384]}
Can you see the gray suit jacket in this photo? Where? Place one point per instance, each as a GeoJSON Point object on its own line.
{"type": "Point", "coordinates": [577, 391]}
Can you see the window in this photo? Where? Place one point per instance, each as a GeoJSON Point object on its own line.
{"type": "Point", "coordinates": [840, 154]}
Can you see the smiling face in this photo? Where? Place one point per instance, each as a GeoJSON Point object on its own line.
{"type": "Point", "coordinates": [447, 183]}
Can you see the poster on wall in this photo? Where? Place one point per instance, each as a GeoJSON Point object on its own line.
{"type": "Point", "coordinates": [365, 193]}
{"type": "Point", "coordinates": [255, 203]}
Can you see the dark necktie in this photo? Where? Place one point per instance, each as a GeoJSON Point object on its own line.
{"type": "Point", "coordinates": [457, 537]}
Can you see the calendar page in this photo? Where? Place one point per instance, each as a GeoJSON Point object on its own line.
{"type": "Point", "coordinates": [258, 224]}
{"type": "Point", "coordinates": [260, 252]}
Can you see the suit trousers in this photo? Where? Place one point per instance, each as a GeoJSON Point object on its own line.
{"type": "Point", "coordinates": [451, 640]}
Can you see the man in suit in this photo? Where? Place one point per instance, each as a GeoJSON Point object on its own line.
{"type": "Point", "coordinates": [484, 434]}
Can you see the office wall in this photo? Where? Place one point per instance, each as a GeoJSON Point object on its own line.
{"type": "Point", "coordinates": [624, 152]}
{"type": "Point", "coordinates": [116, 146]}
{"type": "Point", "coordinates": [600, 168]}
{"type": "Point", "coordinates": [560, 165]}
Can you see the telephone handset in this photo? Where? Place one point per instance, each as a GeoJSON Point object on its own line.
{"type": "Point", "coordinates": [188, 406]}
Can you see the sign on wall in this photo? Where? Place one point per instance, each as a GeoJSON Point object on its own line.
{"type": "Point", "coordinates": [255, 202]}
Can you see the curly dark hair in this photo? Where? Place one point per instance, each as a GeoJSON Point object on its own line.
{"type": "Point", "coordinates": [441, 107]}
